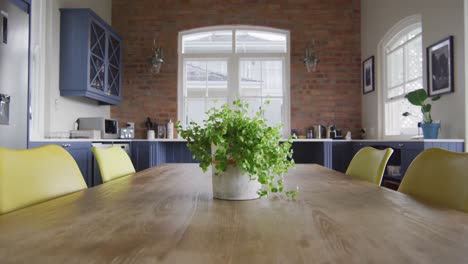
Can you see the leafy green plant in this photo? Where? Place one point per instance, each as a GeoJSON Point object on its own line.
{"type": "Point", "coordinates": [418, 98]}
{"type": "Point", "coordinates": [243, 141]}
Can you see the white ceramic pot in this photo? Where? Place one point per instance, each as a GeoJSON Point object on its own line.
{"type": "Point", "coordinates": [234, 185]}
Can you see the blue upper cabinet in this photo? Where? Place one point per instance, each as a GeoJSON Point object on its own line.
{"type": "Point", "coordinates": [90, 57]}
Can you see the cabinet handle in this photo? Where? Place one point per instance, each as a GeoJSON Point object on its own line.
{"type": "Point", "coordinates": [401, 145]}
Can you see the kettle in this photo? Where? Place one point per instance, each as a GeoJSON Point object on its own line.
{"type": "Point", "coordinates": [319, 131]}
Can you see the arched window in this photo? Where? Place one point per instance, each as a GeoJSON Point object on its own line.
{"type": "Point", "coordinates": [402, 73]}
{"type": "Point", "coordinates": [220, 64]}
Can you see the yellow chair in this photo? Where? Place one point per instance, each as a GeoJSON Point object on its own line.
{"type": "Point", "coordinates": [31, 176]}
{"type": "Point", "coordinates": [113, 163]}
{"type": "Point", "coordinates": [369, 164]}
{"type": "Point", "coordinates": [440, 177]}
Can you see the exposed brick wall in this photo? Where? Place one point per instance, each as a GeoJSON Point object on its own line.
{"type": "Point", "coordinates": [333, 93]}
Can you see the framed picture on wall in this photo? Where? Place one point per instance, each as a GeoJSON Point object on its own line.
{"type": "Point", "coordinates": [368, 75]}
{"type": "Point", "coordinates": [440, 67]}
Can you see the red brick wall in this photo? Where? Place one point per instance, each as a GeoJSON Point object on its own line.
{"type": "Point", "coordinates": [333, 93]}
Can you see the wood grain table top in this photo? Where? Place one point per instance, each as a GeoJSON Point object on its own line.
{"type": "Point", "coordinates": [167, 214]}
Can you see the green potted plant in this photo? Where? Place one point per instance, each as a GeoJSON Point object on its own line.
{"type": "Point", "coordinates": [247, 158]}
{"type": "Point", "coordinates": [418, 98]}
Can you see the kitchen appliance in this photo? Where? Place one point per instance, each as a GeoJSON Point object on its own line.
{"type": "Point", "coordinates": [319, 131]}
{"type": "Point", "coordinates": [14, 71]}
{"type": "Point", "coordinates": [109, 127]}
{"type": "Point", "coordinates": [338, 133]}
{"type": "Point", "coordinates": [92, 134]}
{"type": "Point", "coordinates": [310, 133]}
{"type": "Point", "coordinates": [129, 131]}
{"type": "Point", "coordinates": [331, 133]}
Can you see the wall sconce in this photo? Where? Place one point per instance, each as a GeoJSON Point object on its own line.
{"type": "Point", "coordinates": [310, 59]}
{"type": "Point", "coordinates": [156, 59]}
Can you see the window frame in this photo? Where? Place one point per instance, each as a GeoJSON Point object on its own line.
{"type": "Point", "coordinates": [233, 67]}
{"type": "Point", "coordinates": [401, 28]}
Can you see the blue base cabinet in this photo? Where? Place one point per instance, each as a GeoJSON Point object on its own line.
{"type": "Point", "coordinates": [177, 152]}
{"type": "Point", "coordinates": [341, 155]}
{"type": "Point", "coordinates": [148, 154]}
{"type": "Point", "coordinates": [80, 151]}
{"type": "Point", "coordinates": [90, 57]}
{"type": "Point", "coordinates": [309, 152]}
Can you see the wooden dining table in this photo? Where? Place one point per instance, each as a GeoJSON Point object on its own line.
{"type": "Point", "coordinates": [167, 214]}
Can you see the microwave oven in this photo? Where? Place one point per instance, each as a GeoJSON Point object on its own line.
{"type": "Point", "coordinates": [109, 127]}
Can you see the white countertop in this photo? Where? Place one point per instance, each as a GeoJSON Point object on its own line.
{"type": "Point", "coordinates": [409, 140]}
{"type": "Point", "coordinates": [295, 140]}
{"type": "Point", "coordinates": [105, 140]}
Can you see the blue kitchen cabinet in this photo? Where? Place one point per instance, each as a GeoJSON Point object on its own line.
{"type": "Point", "coordinates": [80, 151]}
{"type": "Point", "coordinates": [341, 155]}
{"type": "Point", "coordinates": [141, 155]}
{"type": "Point", "coordinates": [90, 57]}
{"type": "Point", "coordinates": [309, 152]}
{"type": "Point", "coordinates": [177, 152]}
{"type": "Point", "coordinates": [147, 154]}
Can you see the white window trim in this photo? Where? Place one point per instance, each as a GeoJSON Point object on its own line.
{"type": "Point", "coordinates": [381, 77]}
{"type": "Point", "coordinates": [233, 67]}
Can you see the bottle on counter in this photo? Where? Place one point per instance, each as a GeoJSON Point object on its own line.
{"type": "Point", "coordinates": [170, 129]}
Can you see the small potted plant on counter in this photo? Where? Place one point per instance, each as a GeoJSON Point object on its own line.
{"type": "Point", "coordinates": [418, 98]}
{"type": "Point", "coordinates": [246, 156]}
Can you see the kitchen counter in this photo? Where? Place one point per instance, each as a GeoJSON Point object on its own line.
{"type": "Point", "coordinates": [294, 140]}
{"type": "Point", "coordinates": [105, 140]}
{"type": "Point", "coordinates": [334, 154]}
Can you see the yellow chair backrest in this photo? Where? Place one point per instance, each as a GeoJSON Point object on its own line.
{"type": "Point", "coordinates": [31, 176]}
{"type": "Point", "coordinates": [113, 162]}
{"type": "Point", "coordinates": [369, 164]}
{"type": "Point", "coordinates": [440, 177]}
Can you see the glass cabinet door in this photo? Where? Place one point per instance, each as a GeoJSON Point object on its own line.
{"type": "Point", "coordinates": [97, 56]}
{"type": "Point", "coordinates": [113, 70]}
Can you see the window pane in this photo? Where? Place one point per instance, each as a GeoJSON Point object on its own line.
{"type": "Point", "coordinates": [251, 78]}
{"type": "Point", "coordinates": [215, 102]}
{"type": "Point", "coordinates": [260, 42]}
{"type": "Point", "coordinates": [395, 92]}
{"type": "Point", "coordinates": [395, 68]}
{"type": "Point", "coordinates": [417, 84]}
{"type": "Point", "coordinates": [206, 78]}
{"type": "Point", "coordinates": [261, 78]}
{"type": "Point", "coordinates": [396, 123]}
{"type": "Point", "coordinates": [414, 58]}
{"type": "Point", "coordinates": [195, 83]}
{"type": "Point", "coordinates": [273, 78]}
{"type": "Point", "coordinates": [273, 112]}
{"type": "Point", "coordinates": [194, 110]}
{"type": "Point", "coordinates": [207, 42]}
{"type": "Point", "coordinates": [217, 78]}
{"type": "Point", "coordinates": [254, 105]}
{"type": "Point", "coordinates": [403, 74]}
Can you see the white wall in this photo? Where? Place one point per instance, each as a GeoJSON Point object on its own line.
{"type": "Point", "coordinates": [439, 20]}
{"type": "Point", "coordinates": [52, 112]}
